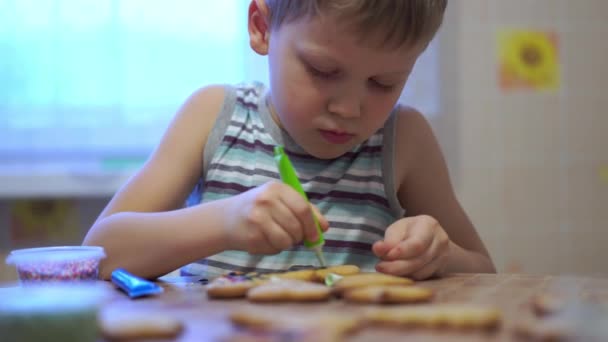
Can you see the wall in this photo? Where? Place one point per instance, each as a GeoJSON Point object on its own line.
{"type": "Point", "coordinates": [530, 167]}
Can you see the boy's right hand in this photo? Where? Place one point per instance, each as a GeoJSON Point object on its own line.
{"type": "Point", "coordinates": [269, 219]}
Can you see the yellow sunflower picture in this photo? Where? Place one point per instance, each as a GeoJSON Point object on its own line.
{"type": "Point", "coordinates": [604, 174]}
{"type": "Point", "coordinates": [528, 60]}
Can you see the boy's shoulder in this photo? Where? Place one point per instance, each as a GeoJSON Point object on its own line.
{"type": "Point", "coordinates": [413, 138]}
{"type": "Point", "coordinates": [209, 97]}
{"type": "Point", "coordinates": [410, 124]}
{"type": "Point", "coordinates": [213, 99]}
{"type": "Point", "coordinates": [409, 115]}
{"type": "Point", "coordinates": [243, 92]}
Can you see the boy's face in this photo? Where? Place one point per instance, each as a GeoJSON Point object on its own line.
{"type": "Point", "coordinates": [330, 90]}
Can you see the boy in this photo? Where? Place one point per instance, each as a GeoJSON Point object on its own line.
{"type": "Point", "coordinates": [372, 169]}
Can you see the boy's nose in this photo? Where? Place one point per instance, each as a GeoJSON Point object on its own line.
{"type": "Point", "coordinates": [346, 105]}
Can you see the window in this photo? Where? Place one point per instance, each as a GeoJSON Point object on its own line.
{"type": "Point", "coordinates": [87, 86]}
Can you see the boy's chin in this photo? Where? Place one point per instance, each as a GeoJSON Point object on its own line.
{"type": "Point", "coordinates": [326, 152]}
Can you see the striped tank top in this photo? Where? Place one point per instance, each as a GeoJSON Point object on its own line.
{"type": "Point", "coordinates": [355, 192]}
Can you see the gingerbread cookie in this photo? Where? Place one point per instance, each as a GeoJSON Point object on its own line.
{"type": "Point", "coordinates": [551, 304]}
{"type": "Point", "coordinates": [544, 330]}
{"type": "Point", "coordinates": [139, 326]}
{"type": "Point", "coordinates": [305, 326]}
{"type": "Point", "coordinates": [350, 282]}
{"type": "Point", "coordinates": [389, 294]}
{"type": "Point", "coordinates": [547, 304]}
{"type": "Point", "coordinates": [341, 270]}
{"type": "Point", "coordinates": [232, 285]}
{"type": "Point", "coordinates": [281, 290]}
{"type": "Point", "coordinates": [312, 273]}
{"type": "Point", "coordinates": [452, 316]}
{"type": "Point", "coordinates": [267, 336]}
{"type": "Point", "coordinates": [237, 284]}
{"type": "Point", "coordinates": [303, 275]}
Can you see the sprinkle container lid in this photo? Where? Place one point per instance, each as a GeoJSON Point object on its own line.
{"type": "Point", "coordinates": [66, 313]}
{"type": "Point", "coordinates": [61, 253]}
{"type": "Point", "coordinates": [52, 299]}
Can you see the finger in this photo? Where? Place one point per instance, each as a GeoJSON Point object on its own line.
{"type": "Point", "coordinates": [399, 267]}
{"type": "Point", "coordinates": [277, 237]}
{"type": "Point", "coordinates": [396, 232]}
{"type": "Point", "coordinates": [262, 246]}
{"type": "Point", "coordinates": [438, 253]}
{"type": "Point", "coordinates": [438, 247]}
{"type": "Point", "coordinates": [380, 248]}
{"type": "Point", "coordinates": [416, 244]}
{"type": "Point", "coordinates": [418, 266]}
{"type": "Point", "coordinates": [320, 218]}
{"type": "Point", "coordinates": [286, 220]}
{"type": "Point", "coordinates": [429, 269]}
{"type": "Point", "coordinates": [301, 209]}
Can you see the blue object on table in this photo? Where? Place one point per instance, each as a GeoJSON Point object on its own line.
{"type": "Point", "coordinates": [133, 285]}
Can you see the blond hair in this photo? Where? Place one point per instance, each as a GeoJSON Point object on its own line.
{"type": "Point", "coordinates": [399, 22]}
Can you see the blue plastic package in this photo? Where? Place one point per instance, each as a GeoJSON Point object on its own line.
{"type": "Point", "coordinates": [134, 286]}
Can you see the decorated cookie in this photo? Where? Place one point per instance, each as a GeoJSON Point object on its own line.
{"type": "Point", "coordinates": [546, 304]}
{"type": "Point", "coordinates": [543, 330]}
{"type": "Point", "coordinates": [282, 290]}
{"type": "Point", "coordinates": [451, 316]}
{"type": "Point", "coordinates": [237, 284]}
{"type": "Point", "coordinates": [140, 326]}
{"type": "Point", "coordinates": [305, 326]}
{"type": "Point", "coordinates": [233, 285]}
{"type": "Point", "coordinates": [312, 273]}
{"type": "Point", "coordinates": [303, 275]}
{"type": "Point", "coordinates": [341, 270]}
{"type": "Point", "coordinates": [390, 294]}
{"type": "Point", "coordinates": [350, 282]}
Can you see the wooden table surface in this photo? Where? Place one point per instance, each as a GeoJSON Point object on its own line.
{"type": "Point", "coordinates": [206, 320]}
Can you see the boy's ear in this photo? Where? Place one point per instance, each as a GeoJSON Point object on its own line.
{"type": "Point", "coordinates": [259, 26]}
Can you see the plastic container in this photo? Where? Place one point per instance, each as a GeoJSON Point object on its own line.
{"type": "Point", "coordinates": [54, 312]}
{"type": "Point", "coordinates": [66, 263]}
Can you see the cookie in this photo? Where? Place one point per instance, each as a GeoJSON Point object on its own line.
{"type": "Point", "coordinates": [303, 275]}
{"type": "Point", "coordinates": [289, 290]}
{"type": "Point", "coordinates": [551, 304]}
{"type": "Point", "coordinates": [342, 270]}
{"type": "Point", "coordinates": [237, 284]}
{"type": "Point", "coordinates": [547, 304]}
{"type": "Point", "coordinates": [388, 294]}
{"type": "Point", "coordinates": [313, 273]}
{"type": "Point", "coordinates": [233, 285]}
{"type": "Point", "coordinates": [265, 336]}
{"type": "Point", "coordinates": [305, 326]}
{"type": "Point", "coordinates": [451, 316]}
{"type": "Point", "coordinates": [544, 330]}
{"type": "Point", "coordinates": [139, 326]}
{"type": "Point", "coordinates": [285, 335]}
{"type": "Point", "coordinates": [350, 282]}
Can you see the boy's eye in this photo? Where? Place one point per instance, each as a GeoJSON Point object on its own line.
{"type": "Point", "coordinates": [382, 86]}
{"type": "Point", "coordinates": [320, 73]}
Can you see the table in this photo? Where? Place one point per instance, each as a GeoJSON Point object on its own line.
{"type": "Point", "coordinates": [206, 320]}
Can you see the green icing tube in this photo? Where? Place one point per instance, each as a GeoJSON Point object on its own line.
{"type": "Point", "coordinates": [289, 177]}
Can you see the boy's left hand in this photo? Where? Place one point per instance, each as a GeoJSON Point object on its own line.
{"type": "Point", "coordinates": [413, 246]}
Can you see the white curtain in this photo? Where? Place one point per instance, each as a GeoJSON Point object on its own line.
{"type": "Point", "coordinates": [88, 79]}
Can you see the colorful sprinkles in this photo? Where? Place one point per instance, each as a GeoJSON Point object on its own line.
{"type": "Point", "coordinates": [57, 263]}
{"type": "Point", "coordinates": [59, 271]}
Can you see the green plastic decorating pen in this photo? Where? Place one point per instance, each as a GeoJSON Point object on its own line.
{"type": "Point", "coordinates": [289, 177]}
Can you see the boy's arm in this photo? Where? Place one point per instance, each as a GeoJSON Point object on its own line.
{"type": "Point", "coordinates": [424, 188]}
{"type": "Point", "coordinates": [143, 228]}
